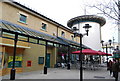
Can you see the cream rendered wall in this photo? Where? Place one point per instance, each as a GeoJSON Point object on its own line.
{"type": "Point", "coordinates": [94, 37]}
{"type": "Point", "coordinates": [32, 54]}
{"type": "Point", "coordinates": [1, 10]}
{"type": "Point", "coordinates": [11, 14]}
{"type": "Point", "coordinates": [53, 52]}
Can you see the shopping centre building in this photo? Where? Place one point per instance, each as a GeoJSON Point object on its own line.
{"type": "Point", "coordinates": [40, 40]}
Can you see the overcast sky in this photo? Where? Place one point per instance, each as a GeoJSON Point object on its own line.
{"type": "Point", "coordinates": [63, 10]}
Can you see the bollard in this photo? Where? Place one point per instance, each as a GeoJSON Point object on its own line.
{"type": "Point", "coordinates": [68, 66]}
{"type": "Point", "coordinates": [12, 75]}
{"type": "Point", "coordinates": [45, 69]}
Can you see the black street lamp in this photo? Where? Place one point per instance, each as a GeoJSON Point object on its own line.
{"type": "Point", "coordinates": [107, 46]}
{"type": "Point", "coordinates": [13, 70]}
{"type": "Point", "coordinates": [87, 26]}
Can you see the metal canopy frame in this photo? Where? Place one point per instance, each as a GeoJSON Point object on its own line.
{"type": "Point", "coordinates": [30, 33]}
{"type": "Point", "coordinates": [26, 32]}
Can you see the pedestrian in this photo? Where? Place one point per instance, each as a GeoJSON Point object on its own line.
{"type": "Point", "coordinates": [110, 67]}
{"type": "Point", "coordinates": [115, 69]}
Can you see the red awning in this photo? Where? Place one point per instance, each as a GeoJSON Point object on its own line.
{"type": "Point", "coordinates": [108, 54]}
{"type": "Point", "coordinates": [87, 52]}
{"type": "Point", "coordinates": [103, 53]}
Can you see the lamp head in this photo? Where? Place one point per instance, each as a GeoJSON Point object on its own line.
{"type": "Point", "coordinates": [102, 42]}
{"type": "Point", "coordinates": [87, 26]}
{"type": "Point", "coordinates": [110, 41]}
{"type": "Point", "coordinates": [75, 29]}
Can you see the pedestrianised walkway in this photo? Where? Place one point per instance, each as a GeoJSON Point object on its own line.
{"type": "Point", "coordinates": [63, 73]}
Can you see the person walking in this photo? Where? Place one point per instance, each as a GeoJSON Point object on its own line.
{"type": "Point", "coordinates": [110, 66]}
{"type": "Point", "coordinates": [115, 69]}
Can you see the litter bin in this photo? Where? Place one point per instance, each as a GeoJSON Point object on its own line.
{"type": "Point", "coordinates": [45, 69]}
{"type": "Point", "coordinates": [68, 66]}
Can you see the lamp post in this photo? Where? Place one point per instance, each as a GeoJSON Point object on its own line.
{"type": "Point", "coordinates": [87, 26]}
{"type": "Point", "coordinates": [106, 46]}
{"type": "Point", "coordinates": [13, 70]}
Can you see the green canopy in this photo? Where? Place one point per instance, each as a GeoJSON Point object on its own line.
{"type": "Point", "coordinates": [115, 56]}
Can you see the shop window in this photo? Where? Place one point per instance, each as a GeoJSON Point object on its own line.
{"type": "Point", "coordinates": [62, 34]}
{"type": "Point", "coordinates": [44, 26]}
{"type": "Point", "coordinates": [23, 18]}
{"type": "Point", "coordinates": [40, 60]}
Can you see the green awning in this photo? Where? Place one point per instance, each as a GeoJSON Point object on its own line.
{"type": "Point", "coordinates": [115, 56]}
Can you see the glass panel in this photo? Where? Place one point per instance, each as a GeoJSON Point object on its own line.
{"type": "Point", "coordinates": [50, 43]}
{"type": "Point", "coordinates": [9, 27]}
{"type": "Point", "coordinates": [25, 31]}
{"type": "Point", "coordinates": [56, 45]}
{"type": "Point", "coordinates": [22, 38]}
{"type": "Point", "coordinates": [61, 45]}
{"type": "Point", "coordinates": [31, 33]}
{"type": "Point", "coordinates": [9, 35]}
{"type": "Point", "coordinates": [22, 30]}
{"type": "Point", "coordinates": [16, 29]}
{"type": "Point", "coordinates": [42, 42]}
{"type": "Point", "coordinates": [4, 26]}
{"type": "Point", "coordinates": [71, 46]}
{"type": "Point", "coordinates": [40, 60]}
{"type": "Point", "coordinates": [33, 40]}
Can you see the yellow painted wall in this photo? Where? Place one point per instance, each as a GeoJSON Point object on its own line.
{"type": "Point", "coordinates": [11, 14]}
{"type": "Point", "coordinates": [11, 42]}
{"type": "Point", "coordinates": [0, 10]}
{"type": "Point", "coordinates": [32, 54]}
{"type": "Point", "coordinates": [33, 21]}
{"type": "Point", "coordinates": [53, 52]}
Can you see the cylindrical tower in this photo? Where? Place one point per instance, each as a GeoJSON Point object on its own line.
{"type": "Point", "coordinates": [94, 38]}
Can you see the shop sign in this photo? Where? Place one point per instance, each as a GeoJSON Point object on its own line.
{"type": "Point", "coordinates": [17, 58]}
{"type": "Point", "coordinates": [18, 61]}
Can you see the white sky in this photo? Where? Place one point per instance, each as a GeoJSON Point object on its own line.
{"type": "Point", "coordinates": [63, 10]}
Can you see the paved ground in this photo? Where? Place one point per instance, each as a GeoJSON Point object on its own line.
{"type": "Point", "coordinates": [59, 73]}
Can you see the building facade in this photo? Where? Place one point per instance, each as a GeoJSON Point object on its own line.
{"type": "Point", "coordinates": [40, 40]}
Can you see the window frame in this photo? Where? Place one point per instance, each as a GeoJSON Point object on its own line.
{"type": "Point", "coordinates": [43, 24]}
{"type": "Point", "coordinates": [22, 14]}
{"type": "Point", "coordinates": [63, 34]}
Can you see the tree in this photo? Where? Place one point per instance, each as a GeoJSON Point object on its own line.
{"type": "Point", "coordinates": [110, 9]}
